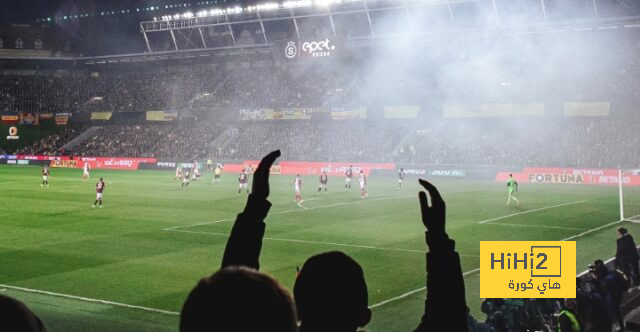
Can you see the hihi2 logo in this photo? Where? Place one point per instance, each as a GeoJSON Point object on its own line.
{"type": "Point", "coordinates": [527, 269]}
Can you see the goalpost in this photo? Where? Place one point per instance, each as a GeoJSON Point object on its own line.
{"type": "Point", "coordinates": [629, 194]}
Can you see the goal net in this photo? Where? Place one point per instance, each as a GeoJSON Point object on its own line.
{"type": "Point", "coordinates": [629, 192]}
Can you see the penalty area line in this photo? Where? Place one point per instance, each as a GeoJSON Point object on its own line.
{"type": "Point", "coordinates": [87, 299]}
{"type": "Point", "coordinates": [530, 211]}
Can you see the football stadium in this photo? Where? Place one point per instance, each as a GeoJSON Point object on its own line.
{"type": "Point", "coordinates": [320, 165]}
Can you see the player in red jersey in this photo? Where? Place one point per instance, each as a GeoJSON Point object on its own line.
{"type": "Point", "coordinates": [348, 177]}
{"type": "Point", "coordinates": [99, 190]}
{"type": "Point", "coordinates": [297, 184]}
{"type": "Point", "coordinates": [45, 176]}
{"type": "Point", "coordinates": [323, 182]}
{"type": "Point", "coordinates": [242, 183]}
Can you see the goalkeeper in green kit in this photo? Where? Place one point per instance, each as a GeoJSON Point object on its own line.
{"type": "Point", "coordinates": [512, 185]}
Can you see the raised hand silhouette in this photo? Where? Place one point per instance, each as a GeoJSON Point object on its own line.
{"type": "Point", "coordinates": [433, 216]}
{"type": "Point", "coordinates": [445, 306]}
{"type": "Point", "coordinates": [260, 184]}
{"type": "Point", "coordinates": [245, 241]}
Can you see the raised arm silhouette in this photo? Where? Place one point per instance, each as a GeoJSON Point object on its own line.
{"type": "Point", "coordinates": [445, 306]}
{"type": "Point", "coordinates": [238, 297]}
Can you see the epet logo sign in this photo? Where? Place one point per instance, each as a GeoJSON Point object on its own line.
{"type": "Point", "coordinates": [313, 48]}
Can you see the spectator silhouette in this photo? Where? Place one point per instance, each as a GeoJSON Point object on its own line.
{"type": "Point", "coordinates": [16, 316]}
{"type": "Point", "coordinates": [238, 297]}
{"type": "Point", "coordinates": [627, 258]}
{"type": "Point", "coordinates": [331, 292]}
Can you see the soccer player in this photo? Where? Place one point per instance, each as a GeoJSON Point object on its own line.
{"type": "Point", "coordinates": [99, 190]}
{"type": "Point", "coordinates": [195, 171]}
{"type": "Point", "coordinates": [348, 175]}
{"type": "Point", "coordinates": [512, 186]}
{"type": "Point", "coordinates": [178, 173]}
{"type": "Point", "coordinates": [242, 182]}
{"type": "Point", "coordinates": [45, 176]}
{"type": "Point", "coordinates": [297, 184]}
{"type": "Point", "coordinates": [323, 182]}
{"type": "Point", "coordinates": [209, 165]}
{"type": "Point", "coordinates": [185, 178]}
{"type": "Point", "coordinates": [363, 185]}
{"type": "Point", "coordinates": [400, 177]}
{"type": "Point", "coordinates": [85, 171]}
{"type": "Point", "coordinates": [216, 174]}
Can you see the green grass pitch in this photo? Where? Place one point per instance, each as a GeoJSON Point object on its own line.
{"type": "Point", "coordinates": [152, 241]}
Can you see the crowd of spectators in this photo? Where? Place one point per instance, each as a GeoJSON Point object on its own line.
{"type": "Point", "coordinates": [326, 140]}
{"type": "Point", "coordinates": [52, 145]}
{"type": "Point", "coordinates": [593, 142]}
{"type": "Point", "coordinates": [159, 141]}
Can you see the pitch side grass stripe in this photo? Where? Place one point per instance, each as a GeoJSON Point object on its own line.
{"type": "Point", "coordinates": [530, 211]}
{"type": "Point", "coordinates": [317, 207]}
{"type": "Point", "coordinates": [361, 246]}
{"type": "Point", "coordinates": [409, 293]}
{"type": "Point", "coordinates": [87, 299]}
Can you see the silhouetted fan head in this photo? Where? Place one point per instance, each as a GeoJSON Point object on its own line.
{"type": "Point", "coordinates": [16, 316]}
{"type": "Point", "coordinates": [331, 290]}
{"type": "Point", "coordinates": [238, 299]}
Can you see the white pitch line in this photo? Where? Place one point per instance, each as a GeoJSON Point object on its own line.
{"type": "Point", "coordinates": [539, 226]}
{"type": "Point", "coordinates": [2, 290]}
{"type": "Point", "coordinates": [409, 293]}
{"type": "Point", "coordinates": [317, 207]}
{"type": "Point", "coordinates": [529, 211]}
{"type": "Point", "coordinates": [194, 225]}
{"type": "Point", "coordinates": [87, 299]}
{"type": "Point", "coordinates": [590, 231]}
{"type": "Point", "coordinates": [629, 218]}
{"type": "Point", "coordinates": [318, 242]}
{"type": "Point", "coordinates": [402, 296]}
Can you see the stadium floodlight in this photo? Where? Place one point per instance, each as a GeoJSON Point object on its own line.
{"type": "Point", "coordinates": [234, 10]}
{"type": "Point", "coordinates": [187, 15]}
{"type": "Point", "coordinates": [202, 13]}
{"type": "Point", "coordinates": [297, 3]}
{"type": "Point", "coordinates": [325, 3]}
{"type": "Point", "coordinates": [268, 6]}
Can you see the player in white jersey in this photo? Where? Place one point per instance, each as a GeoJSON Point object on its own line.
{"type": "Point", "coordinates": [178, 173]}
{"type": "Point", "coordinates": [85, 171]}
{"type": "Point", "coordinates": [195, 171]}
{"type": "Point", "coordinates": [363, 185]}
{"type": "Point", "coordinates": [297, 185]}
